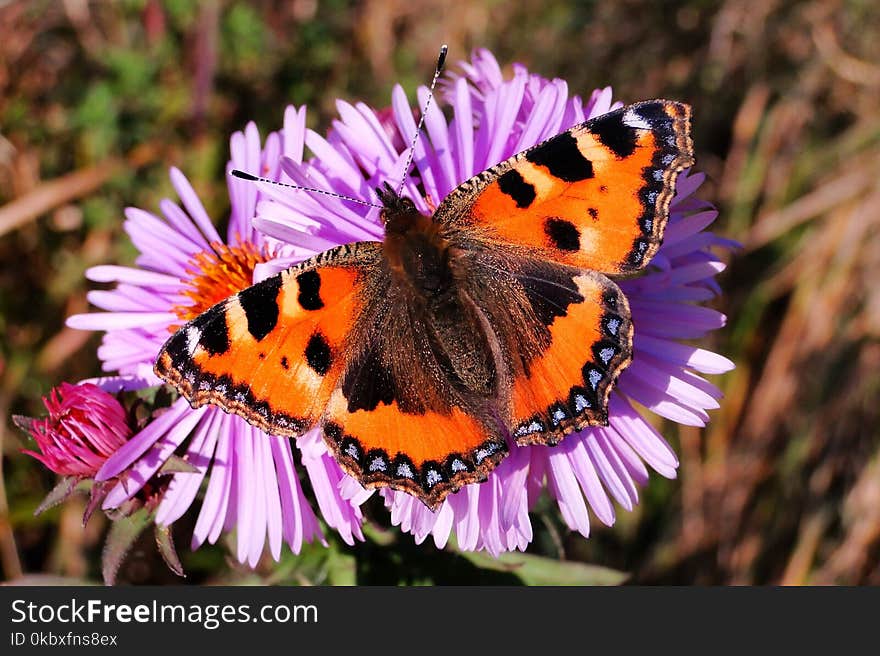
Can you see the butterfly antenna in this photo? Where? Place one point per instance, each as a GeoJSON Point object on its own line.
{"type": "Point", "coordinates": [441, 60]}
{"type": "Point", "coordinates": [255, 178]}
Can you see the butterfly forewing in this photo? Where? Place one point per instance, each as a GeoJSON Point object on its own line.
{"type": "Point", "coordinates": [596, 196]}
{"type": "Point", "coordinates": [274, 352]}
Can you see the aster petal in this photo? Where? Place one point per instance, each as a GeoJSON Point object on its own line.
{"type": "Point", "coordinates": [117, 320]}
{"type": "Point", "coordinates": [599, 103]}
{"type": "Point", "coordinates": [675, 321]}
{"type": "Point", "coordinates": [585, 471]}
{"type": "Point", "coordinates": [150, 234]}
{"type": "Point", "coordinates": [157, 454]}
{"type": "Point", "coordinates": [442, 527]}
{"type": "Point", "coordinates": [274, 518]}
{"type": "Point", "coordinates": [667, 381]}
{"type": "Point", "coordinates": [129, 298]}
{"type": "Point", "coordinates": [301, 525]}
{"type": "Point", "coordinates": [132, 276]}
{"type": "Point", "coordinates": [653, 398]}
{"type": "Point", "coordinates": [336, 163]}
{"type": "Point", "coordinates": [682, 227]}
{"type": "Point", "coordinates": [501, 114]}
{"type": "Point", "coordinates": [294, 132]}
{"type": "Point", "coordinates": [212, 517]}
{"type": "Point", "coordinates": [514, 471]}
{"type": "Point", "coordinates": [184, 486]}
{"type": "Point", "coordinates": [424, 157]}
{"type": "Point", "coordinates": [641, 436]}
{"type": "Point", "coordinates": [251, 509]}
{"type": "Point", "coordinates": [193, 205]}
{"type": "Point", "coordinates": [438, 132]}
{"type": "Point", "coordinates": [325, 476]}
{"type": "Point", "coordinates": [116, 384]}
{"type": "Point", "coordinates": [565, 488]}
{"type": "Point", "coordinates": [683, 355]}
{"type": "Point", "coordinates": [463, 131]}
{"type": "Point", "coordinates": [686, 185]}
{"type": "Point", "coordinates": [364, 137]}
{"type": "Point", "coordinates": [545, 117]}
{"type": "Point", "coordinates": [182, 224]}
{"type": "Point", "coordinates": [634, 465]}
{"type": "Point", "coordinates": [611, 470]}
{"type": "Point", "coordinates": [465, 505]}
{"type": "Point", "coordinates": [242, 194]}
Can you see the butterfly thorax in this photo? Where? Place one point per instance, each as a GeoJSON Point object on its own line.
{"type": "Point", "coordinates": [417, 255]}
{"type": "Point", "coordinates": [424, 273]}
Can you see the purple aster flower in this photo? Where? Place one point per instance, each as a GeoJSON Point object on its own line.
{"type": "Point", "coordinates": [492, 119]}
{"type": "Point", "coordinates": [184, 267]}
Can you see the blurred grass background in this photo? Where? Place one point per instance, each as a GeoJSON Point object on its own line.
{"type": "Point", "coordinates": [98, 99]}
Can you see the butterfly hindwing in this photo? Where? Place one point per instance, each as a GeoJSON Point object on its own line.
{"type": "Point", "coordinates": [566, 387]}
{"type": "Point", "coordinates": [596, 196]}
{"type": "Point", "coordinates": [566, 335]}
{"type": "Point", "coordinates": [427, 454]}
{"type": "Point", "coordinates": [401, 416]}
{"type": "Point", "coordinates": [274, 352]}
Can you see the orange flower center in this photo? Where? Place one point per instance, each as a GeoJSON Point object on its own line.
{"type": "Point", "coordinates": [217, 274]}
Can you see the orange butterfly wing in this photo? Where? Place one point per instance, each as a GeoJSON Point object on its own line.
{"type": "Point", "coordinates": [596, 196]}
{"type": "Point", "coordinates": [428, 454]}
{"type": "Point", "coordinates": [274, 352]}
{"type": "Point", "coordinates": [566, 387]}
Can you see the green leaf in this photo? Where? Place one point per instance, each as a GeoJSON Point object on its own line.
{"type": "Point", "coordinates": [123, 533]}
{"type": "Point", "coordinates": [177, 465]}
{"type": "Point", "coordinates": [96, 496]}
{"type": "Point", "coordinates": [59, 493]}
{"type": "Point", "coordinates": [341, 569]}
{"type": "Point", "coordinates": [165, 542]}
{"type": "Point", "coordinates": [26, 424]}
{"type": "Point", "coordinates": [538, 570]}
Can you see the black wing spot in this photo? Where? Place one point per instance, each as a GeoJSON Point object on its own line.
{"type": "Point", "coordinates": [616, 135]}
{"type": "Point", "coordinates": [513, 184]}
{"type": "Point", "coordinates": [309, 283]}
{"type": "Point", "coordinates": [594, 213]}
{"type": "Point", "coordinates": [655, 115]}
{"type": "Point", "coordinates": [318, 354]}
{"type": "Point", "coordinates": [562, 157]}
{"type": "Point", "coordinates": [260, 305]}
{"type": "Point", "coordinates": [285, 363]}
{"type": "Point", "coordinates": [213, 331]}
{"type": "Point", "coordinates": [563, 234]}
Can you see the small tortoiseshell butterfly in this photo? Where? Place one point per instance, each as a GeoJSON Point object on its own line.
{"type": "Point", "coordinates": [419, 356]}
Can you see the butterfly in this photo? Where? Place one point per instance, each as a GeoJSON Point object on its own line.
{"type": "Point", "coordinates": [493, 321]}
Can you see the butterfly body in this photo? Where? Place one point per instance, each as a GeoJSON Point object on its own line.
{"type": "Point", "coordinates": [491, 322]}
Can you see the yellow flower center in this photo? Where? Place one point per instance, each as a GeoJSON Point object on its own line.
{"type": "Point", "coordinates": [217, 274]}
